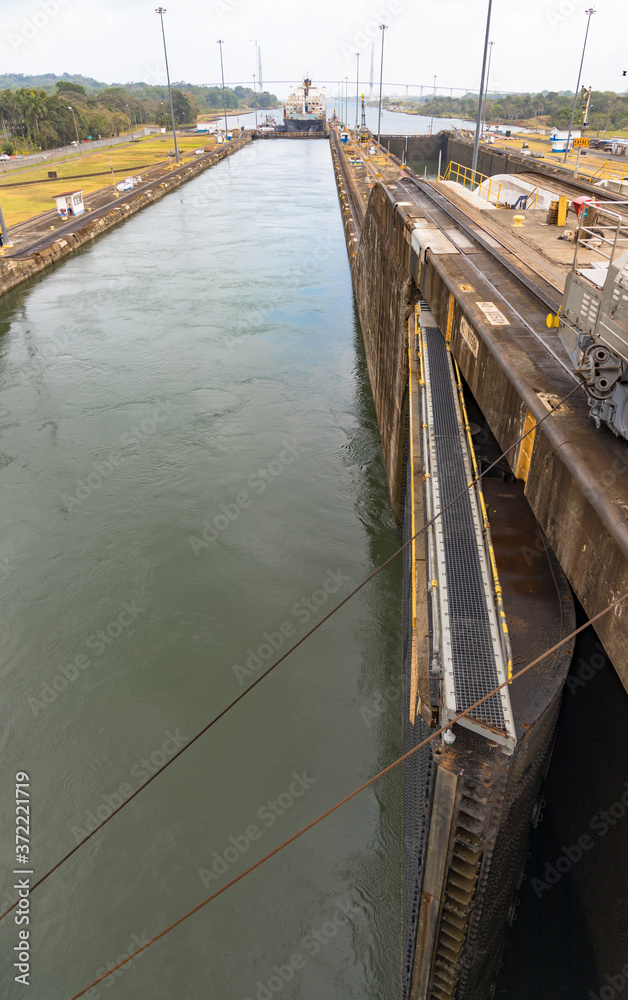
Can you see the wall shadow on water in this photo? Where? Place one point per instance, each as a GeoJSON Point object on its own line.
{"type": "Point", "coordinates": [571, 934]}
{"type": "Point", "coordinates": [380, 682]}
{"type": "Point", "coordinates": [419, 167]}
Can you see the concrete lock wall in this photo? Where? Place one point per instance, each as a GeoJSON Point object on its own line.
{"type": "Point", "coordinates": [560, 485]}
{"type": "Point", "coordinates": [417, 148]}
{"type": "Point", "coordinates": [386, 295]}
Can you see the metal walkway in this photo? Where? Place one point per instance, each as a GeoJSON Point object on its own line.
{"type": "Point", "coordinates": [470, 648]}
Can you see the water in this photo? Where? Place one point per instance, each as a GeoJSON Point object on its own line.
{"type": "Point", "coordinates": [189, 457]}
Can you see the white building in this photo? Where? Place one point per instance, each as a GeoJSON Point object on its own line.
{"type": "Point", "coordinates": [69, 204]}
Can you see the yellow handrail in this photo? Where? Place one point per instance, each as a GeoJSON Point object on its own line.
{"type": "Point", "coordinates": [609, 171]}
{"type": "Point", "coordinates": [465, 175]}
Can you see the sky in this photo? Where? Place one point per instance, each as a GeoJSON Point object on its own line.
{"type": "Point", "coordinates": [538, 44]}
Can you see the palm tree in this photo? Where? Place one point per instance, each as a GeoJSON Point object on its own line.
{"type": "Point", "coordinates": [32, 104]}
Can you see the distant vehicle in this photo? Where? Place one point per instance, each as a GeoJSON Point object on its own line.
{"type": "Point", "coordinates": [537, 154]}
{"type": "Point", "coordinates": [199, 152]}
{"type": "Point", "coordinates": [4, 156]}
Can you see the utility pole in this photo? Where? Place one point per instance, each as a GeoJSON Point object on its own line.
{"type": "Point", "coordinates": [161, 11]}
{"type": "Point", "coordinates": [357, 87]}
{"type": "Point", "coordinates": [478, 124]}
{"type": "Point", "coordinates": [589, 13]}
{"type": "Point", "coordinates": [224, 99]}
{"type": "Point", "coordinates": [371, 78]}
{"type": "Point", "coordinates": [433, 98]}
{"type": "Point", "coordinates": [256, 104]}
{"type": "Point", "coordinates": [382, 28]}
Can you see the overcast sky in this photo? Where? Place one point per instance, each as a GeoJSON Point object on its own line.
{"type": "Point", "coordinates": [538, 43]}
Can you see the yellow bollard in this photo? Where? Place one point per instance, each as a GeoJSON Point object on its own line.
{"type": "Point", "coordinates": [518, 221]}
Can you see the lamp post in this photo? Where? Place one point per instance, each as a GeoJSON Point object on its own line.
{"type": "Point", "coordinates": [433, 98]}
{"type": "Point", "coordinates": [589, 13]}
{"type": "Point", "coordinates": [382, 28]}
{"type": "Point", "coordinates": [129, 117]}
{"type": "Point", "coordinates": [78, 141]}
{"type": "Point", "coordinates": [476, 142]}
{"type": "Point", "coordinates": [346, 116]}
{"type": "Point", "coordinates": [357, 87]}
{"type": "Point", "coordinates": [256, 104]}
{"type": "Point", "coordinates": [488, 72]}
{"type": "Point", "coordinates": [224, 99]}
{"type": "Point", "coordinates": [161, 11]}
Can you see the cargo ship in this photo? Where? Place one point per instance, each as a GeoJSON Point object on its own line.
{"type": "Point", "coordinates": [306, 109]}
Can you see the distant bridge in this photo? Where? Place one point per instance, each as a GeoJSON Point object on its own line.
{"type": "Point", "coordinates": [414, 86]}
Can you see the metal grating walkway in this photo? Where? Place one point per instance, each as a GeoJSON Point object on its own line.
{"type": "Point", "coordinates": [469, 649]}
{"type": "Point", "coordinates": [472, 640]}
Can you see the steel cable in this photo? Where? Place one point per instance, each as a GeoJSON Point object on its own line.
{"type": "Point", "coordinates": [347, 798]}
{"type": "Point", "coordinates": [261, 677]}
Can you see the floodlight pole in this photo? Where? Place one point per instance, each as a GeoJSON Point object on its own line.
{"type": "Point", "coordinates": [478, 124]}
{"type": "Point", "coordinates": [381, 77]}
{"type": "Point", "coordinates": [577, 93]}
{"type": "Point", "coordinates": [3, 229]}
{"type": "Point", "coordinates": [78, 141]}
{"type": "Point", "coordinates": [161, 11]}
{"type": "Point", "coordinates": [224, 99]}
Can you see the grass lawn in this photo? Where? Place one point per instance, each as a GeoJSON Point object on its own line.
{"type": "Point", "coordinates": [22, 203]}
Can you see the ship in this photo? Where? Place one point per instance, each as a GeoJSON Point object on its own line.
{"type": "Point", "coordinates": [306, 109]}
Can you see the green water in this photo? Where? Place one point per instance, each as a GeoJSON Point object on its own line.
{"type": "Point", "coordinates": [190, 461]}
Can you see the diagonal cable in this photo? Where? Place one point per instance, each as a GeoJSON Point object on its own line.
{"type": "Point", "coordinates": [261, 677]}
{"type": "Point", "coordinates": [347, 798]}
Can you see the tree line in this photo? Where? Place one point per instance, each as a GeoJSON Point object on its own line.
{"type": "Point", "coordinates": [608, 110]}
{"type": "Point", "coordinates": [35, 118]}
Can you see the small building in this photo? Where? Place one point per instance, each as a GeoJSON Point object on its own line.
{"type": "Point", "coordinates": [619, 146]}
{"type": "Point", "coordinates": [559, 137]}
{"type": "Point", "coordinates": [563, 133]}
{"type": "Point", "coordinates": [69, 204]}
